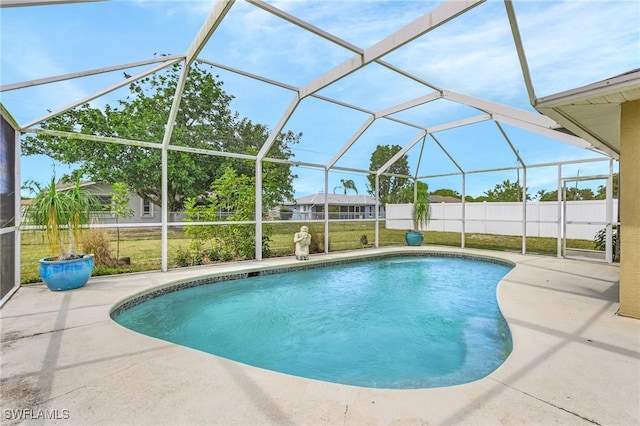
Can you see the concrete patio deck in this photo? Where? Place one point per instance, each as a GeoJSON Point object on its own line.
{"type": "Point", "coordinates": [574, 361]}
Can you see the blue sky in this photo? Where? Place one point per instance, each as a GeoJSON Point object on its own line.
{"type": "Point", "coordinates": [568, 44]}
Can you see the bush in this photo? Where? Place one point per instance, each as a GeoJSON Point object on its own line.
{"type": "Point", "coordinates": [98, 243]}
{"type": "Point", "coordinates": [600, 239]}
{"type": "Point", "coordinates": [286, 213]}
{"type": "Point", "coordinates": [231, 198]}
{"type": "Point", "coordinates": [183, 257]}
{"type": "Point", "coordinates": [317, 243]}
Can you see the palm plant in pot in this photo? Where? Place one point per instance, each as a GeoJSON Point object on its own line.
{"type": "Point", "coordinates": [420, 214]}
{"type": "Point", "coordinates": [62, 215]}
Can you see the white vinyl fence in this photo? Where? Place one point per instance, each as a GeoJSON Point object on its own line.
{"type": "Point", "coordinates": [506, 218]}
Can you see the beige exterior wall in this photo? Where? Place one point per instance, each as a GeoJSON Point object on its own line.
{"type": "Point", "coordinates": [630, 209]}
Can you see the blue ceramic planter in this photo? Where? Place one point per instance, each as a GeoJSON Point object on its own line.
{"type": "Point", "coordinates": [414, 238]}
{"type": "Point", "coordinates": [61, 275]}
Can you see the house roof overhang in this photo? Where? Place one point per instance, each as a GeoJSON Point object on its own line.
{"type": "Point", "coordinates": [592, 112]}
{"type": "Point", "coordinates": [335, 199]}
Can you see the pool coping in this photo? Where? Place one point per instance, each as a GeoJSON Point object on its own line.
{"type": "Point", "coordinates": [574, 360]}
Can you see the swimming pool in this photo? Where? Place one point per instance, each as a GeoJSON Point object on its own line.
{"type": "Point", "coordinates": [399, 322]}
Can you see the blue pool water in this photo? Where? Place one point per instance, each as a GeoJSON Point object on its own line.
{"type": "Point", "coordinates": [402, 322]}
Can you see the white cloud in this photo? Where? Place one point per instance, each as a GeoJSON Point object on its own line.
{"type": "Point", "coordinates": [473, 54]}
{"type": "Point", "coordinates": [193, 9]}
{"type": "Point", "coordinates": [361, 23]}
{"type": "Point", "coordinates": [26, 57]}
{"type": "Point", "coordinates": [570, 44]}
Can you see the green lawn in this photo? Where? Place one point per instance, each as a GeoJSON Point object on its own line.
{"type": "Point", "coordinates": [143, 245]}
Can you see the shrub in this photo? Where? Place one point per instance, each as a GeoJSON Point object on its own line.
{"type": "Point", "coordinates": [232, 198]}
{"type": "Point", "coordinates": [98, 243]}
{"type": "Point", "coordinates": [188, 257]}
{"type": "Point", "coordinates": [182, 257]}
{"type": "Point", "coordinates": [600, 239]}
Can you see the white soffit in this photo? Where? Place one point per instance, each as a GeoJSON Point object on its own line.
{"type": "Point", "coordinates": [592, 112]}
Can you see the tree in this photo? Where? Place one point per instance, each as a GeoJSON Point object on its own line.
{"type": "Point", "coordinates": [544, 195]}
{"type": "Point", "coordinates": [585, 194]}
{"type": "Point", "coordinates": [601, 192]}
{"type": "Point", "coordinates": [505, 191]}
{"type": "Point", "coordinates": [405, 195]}
{"type": "Point", "coordinates": [120, 208]}
{"type": "Point", "coordinates": [390, 186]}
{"type": "Point", "coordinates": [204, 120]}
{"type": "Point", "coordinates": [231, 198]}
{"type": "Point", "coordinates": [447, 193]}
{"type": "Point", "coordinates": [573, 194]}
{"type": "Point", "coordinates": [346, 184]}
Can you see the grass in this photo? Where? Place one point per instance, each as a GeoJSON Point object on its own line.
{"type": "Point", "coordinates": [143, 246]}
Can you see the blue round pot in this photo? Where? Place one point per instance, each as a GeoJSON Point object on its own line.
{"type": "Point", "coordinates": [414, 238]}
{"type": "Point", "coordinates": [61, 275]}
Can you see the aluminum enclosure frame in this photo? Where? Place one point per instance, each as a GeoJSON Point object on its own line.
{"type": "Point", "coordinates": [447, 11]}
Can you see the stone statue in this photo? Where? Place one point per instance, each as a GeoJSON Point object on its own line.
{"type": "Point", "coordinates": [302, 240]}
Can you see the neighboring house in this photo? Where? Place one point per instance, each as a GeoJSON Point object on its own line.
{"type": "Point", "coordinates": [143, 211]}
{"type": "Point", "coordinates": [443, 199]}
{"type": "Point", "coordinates": [341, 206]}
{"type": "Point", "coordinates": [24, 203]}
{"type": "Point", "coordinates": [310, 207]}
